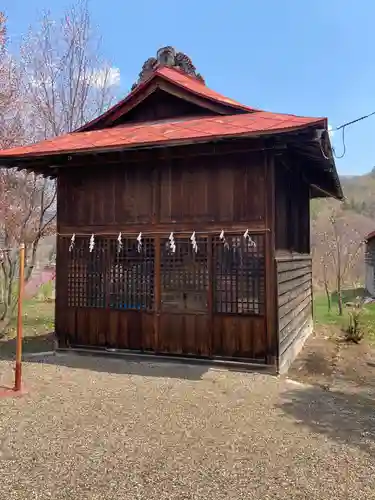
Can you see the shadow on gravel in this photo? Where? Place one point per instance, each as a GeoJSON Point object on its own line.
{"type": "Point", "coordinates": [141, 367]}
{"type": "Point", "coordinates": [343, 417]}
{"type": "Point", "coordinates": [31, 344]}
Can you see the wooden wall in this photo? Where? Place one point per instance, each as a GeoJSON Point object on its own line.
{"type": "Point", "coordinates": [183, 192]}
{"type": "Point", "coordinates": [201, 193]}
{"type": "Point", "coordinates": [294, 301]}
{"type": "Point", "coordinates": [179, 334]}
{"type": "Point", "coordinates": [293, 260]}
{"type": "Point", "coordinates": [292, 228]}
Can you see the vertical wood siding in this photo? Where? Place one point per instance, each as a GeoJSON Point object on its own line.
{"type": "Point", "coordinates": [292, 222]}
{"type": "Point", "coordinates": [201, 193]}
{"type": "Point", "coordinates": [198, 190]}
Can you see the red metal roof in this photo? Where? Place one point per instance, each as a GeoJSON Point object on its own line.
{"type": "Point", "coordinates": [181, 131]}
{"type": "Point", "coordinates": [178, 78]}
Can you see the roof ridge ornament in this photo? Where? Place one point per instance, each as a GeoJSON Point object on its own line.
{"type": "Point", "coordinates": [167, 56]}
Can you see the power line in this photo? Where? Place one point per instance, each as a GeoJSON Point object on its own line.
{"type": "Point", "coordinates": [343, 144]}
{"type": "Point", "coordinates": [354, 121]}
{"type": "Point", "coordinates": [342, 127]}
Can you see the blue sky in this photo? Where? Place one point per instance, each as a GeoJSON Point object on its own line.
{"type": "Point", "coordinates": [294, 56]}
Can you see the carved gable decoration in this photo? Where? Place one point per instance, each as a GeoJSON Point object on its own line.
{"type": "Point", "coordinates": [167, 56]}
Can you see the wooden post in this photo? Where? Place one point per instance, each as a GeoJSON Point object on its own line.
{"type": "Point", "coordinates": [272, 338]}
{"type": "Point", "coordinates": [157, 296]}
{"type": "Point", "coordinates": [210, 295]}
{"type": "Point", "coordinates": [18, 372]}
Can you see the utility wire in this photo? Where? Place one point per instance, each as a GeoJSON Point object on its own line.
{"type": "Point", "coordinates": [342, 127]}
{"type": "Point", "coordinates": [343, 144]}
{"type": "Point", "coordinates": [354, 121]}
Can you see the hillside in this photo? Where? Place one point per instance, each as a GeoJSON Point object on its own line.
{"type": "Point", "coordinates": [359, 191]}
{"type": "Point", "coordinates": [357, 219]}
{"type": "Point", "coordinates": [360, 194]}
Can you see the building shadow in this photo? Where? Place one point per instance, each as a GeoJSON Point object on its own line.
{"type": "Point", "coordinates": [316, 363]}
{"type": "Point", "coordinates": [146, 365]}
{"type": "Point", "coordinates": [105, 363]}
{"type": "Point", "coordinates": [361, 377]}
{"type": "Point", "coordinates": [31, 344]}
{"type": "Point", "coordinates": [314, 367]}
{"type": "Point", "coordinates": [343, 417]}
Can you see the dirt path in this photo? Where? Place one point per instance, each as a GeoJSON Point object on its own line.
{"type": "Point", "coordinates": [329, 362]}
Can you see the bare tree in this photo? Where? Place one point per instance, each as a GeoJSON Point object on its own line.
{"type": "Point", "coordinates": [2, 30]}
{"type": "Point", "coordinates": [24, 217]}
{"type": "Point", "coordinates": [327, 279]}
{"type": "Point", "coordinates": [66, 79]}
{"type": "Point", "coordinates": [11, 132]}
{"type": "Point", "coordinates": [322, 271]}
{"type": "Point", "coordinates": [326, 283]}
{"type": "Point", "coordinates": [60, 83]}
{"type": "Point", "coordinates": [338, 247]}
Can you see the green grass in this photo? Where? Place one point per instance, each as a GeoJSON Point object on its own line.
{"type": "Point", "coordinates": [323, 317]}
{"type": "Point", "coordinates": [38, 320]}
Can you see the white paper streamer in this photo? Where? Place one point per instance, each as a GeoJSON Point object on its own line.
{"type": "Point", "coordinates": [194, 242]}
{"type": "Point", "coordinates": [223, 239]}
{"type": "Point", "coordinates": [249, 238]}
{"type": "Point", "coordinates": [139, 241]}
{"type": "Point", "coordinates": [119, 242]}
{"type": "Point", "coordinates": [172, 244]}
{"type": "Point", "coordinates": [92, 243]}
{"type": "Point", "coordinates": [72, 242]}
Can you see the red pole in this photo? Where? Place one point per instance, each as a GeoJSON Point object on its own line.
{"type": "Point", "coordinates": [18, 373]}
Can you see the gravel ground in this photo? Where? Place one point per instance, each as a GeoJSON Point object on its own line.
{"type": "Point", "coordinates": [98, 428]}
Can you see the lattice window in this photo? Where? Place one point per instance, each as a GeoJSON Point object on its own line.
{"type": "Point", "coordinates": [87, 273]}
{"type": "Point", "coordinates": [132, 275]}
{"type": "Point", "coordinates": [77, 273]}
{"type": "Point", "coordinates": [96, 274]}
{"type": "Point", "coordinates": [184, 275]}
{"type": "Point", "coordinates": [109, 276]}
{"type": "Point", "coordinates": [239, 286]}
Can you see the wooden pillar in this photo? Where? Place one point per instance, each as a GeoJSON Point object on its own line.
{"type": "Point", "coordinates": [61, 271]}
{"type": "Point", "coordinates": [61, 298]}
{"type": "Point", "coordinates": [157, 293]}
{"type": "Point", "coordinates": [271, 278]}
{"type": "Point", "coordinates": [21, 285]}
{"type": "Point", "coordinates": [210, 294]}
